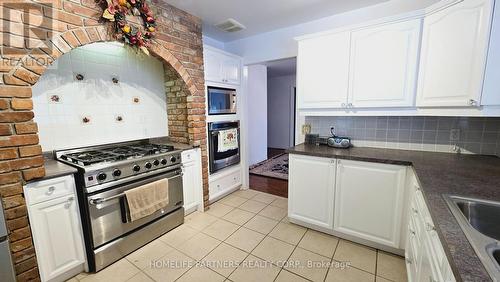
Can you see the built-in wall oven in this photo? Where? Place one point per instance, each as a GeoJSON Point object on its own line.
{"type": "Point", "coordinates": [224, 144]}
{"type": "Point", "coordinates": [221, 101]}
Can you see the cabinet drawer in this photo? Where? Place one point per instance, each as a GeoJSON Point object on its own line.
{"type": "Point", "coordinates": [226, 182]}
{"type": "Point", "coordinates": [413, 240]}
{"type": "Point", "coordinates": [45, 190]}
{"type": "Point", "coordinates": [189, 156]}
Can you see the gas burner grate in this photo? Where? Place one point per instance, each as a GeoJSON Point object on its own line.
{"type": "Point", "coordinates": [117, 153]}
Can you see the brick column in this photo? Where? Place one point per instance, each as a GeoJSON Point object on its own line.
{"type": "Point", "coordinates": [44, 30]}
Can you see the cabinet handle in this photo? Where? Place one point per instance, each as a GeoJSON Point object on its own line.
{"type": "Point", "coordinates": [414, 210]}
{"type": "Point", "coordinates": [472, 102]}
{"type": "Point", "coordinates": [412, 232]}
{"type": "Point", "coordinates": [71, 199]}
{"type": "Point", "coordinates": [51, 190]}
{"type": "Point", "coordinates": [429, 227]}
{"type": "Point", "coordinates": [350, 105]}
{"type": "Point", "coordinates": [344, 105]}
{"type": "Point", "coordinates": [408, 261]}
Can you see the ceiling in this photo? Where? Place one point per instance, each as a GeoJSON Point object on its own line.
{"type": "Point", "coordinates": [281, 67]}
{"type": "Point", "coordinates": [261, 16]}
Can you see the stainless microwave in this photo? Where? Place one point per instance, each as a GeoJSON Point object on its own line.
{"type": "Point", "coordinates": [221, 101]}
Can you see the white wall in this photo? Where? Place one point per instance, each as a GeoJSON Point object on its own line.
{"type": "Point", "coordinates": [61, 123]}
{"type": "Point", "coordinates": [256, 91]}
{"type": "Point", "coordinates": [213, 42]}
{"type": "Point", "coordinates": [279, 44]}
{"type": "Point", "coordinates": [280, 114]}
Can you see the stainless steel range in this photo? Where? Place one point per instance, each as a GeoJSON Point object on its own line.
{"type": "Point", "coordinates": [104, 174]}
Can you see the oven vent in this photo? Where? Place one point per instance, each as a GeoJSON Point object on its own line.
{"type": "Point", "coordinates": [230, 25]}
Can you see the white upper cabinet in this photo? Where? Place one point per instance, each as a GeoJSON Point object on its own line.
{"type": "Point", "coordinates": [322, 71]}
{"type": "Point", "coordinates": [311, 191]}
{"type": "Point", "coordinates": [213, 66]}
{"type": "Point", "coordinates": [454, 47]}
{"type": "Point", "coordinates": [491, 89]}
{"type": "Point", "coordinates": [369, 201]}
{"type": "Point", "coordinates": [221, 67]}
{"type": "Point", "coordinates": [231, 70]}
{"type": "Point", "coordinates": [384, 65]}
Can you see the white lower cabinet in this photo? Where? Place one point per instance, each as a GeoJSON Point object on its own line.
{"type": "Point", "coordinates": [192, 180]}
{"type": "Point", "coordinates": [56, 228]}
{"type": "Point", "coordinates": [369, 201]}
{"type": "Point", "coordinates": [425, 257]}
{"type": "Point", "coordinates": [379, 205]}
{"type": "Point", "coordinates": [224, 182]}
{"type": "Point", "coordinates": [310, 193]}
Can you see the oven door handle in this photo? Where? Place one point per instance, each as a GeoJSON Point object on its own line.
{"type": "Point", "coordinates": [98, 201]}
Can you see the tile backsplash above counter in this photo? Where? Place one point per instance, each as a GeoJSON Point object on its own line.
{"type": "Point", "coordinates": [100, 93]}
{"type": "Point", "coordinates": [436, 134]}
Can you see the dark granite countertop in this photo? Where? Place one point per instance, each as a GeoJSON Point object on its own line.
{"type": "Point", "coordinates": [55, 169]}
{"type": "Point", "coordinates": [473, 176]}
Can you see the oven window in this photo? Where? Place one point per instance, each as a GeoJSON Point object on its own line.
{"type": "Point", "coordinates": [221, 155]}
{"type": "Point", "coordinates": [219, 101]}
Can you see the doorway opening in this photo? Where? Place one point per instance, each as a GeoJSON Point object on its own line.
{"type": "Point", "coordinates": [270, 173]}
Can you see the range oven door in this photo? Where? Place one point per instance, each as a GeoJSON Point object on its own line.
{"type": "Point", "coordinates": [220, 160]}
{"type": "Point", "coordinates": [221, 101]}
{"type": "Point", "coordinates": [108, 210]}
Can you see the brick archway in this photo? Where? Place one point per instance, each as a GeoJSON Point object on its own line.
{"type": "Point", "coordinates": [63, 26]}
{"type": "Point", "coordinates": [27, 73]}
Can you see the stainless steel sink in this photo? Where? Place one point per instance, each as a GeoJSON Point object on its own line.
{"type": "Point", "coordinates": [480, 221]}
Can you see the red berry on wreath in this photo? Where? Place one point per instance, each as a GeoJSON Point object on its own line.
{"type": "Point", "coordinates": [133, 40]}
{"type": "Point", "coordinates": [150, 19]}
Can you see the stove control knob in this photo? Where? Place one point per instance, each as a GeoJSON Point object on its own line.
{"type": "Point", "coordinates": [136, 168]}
{"type": "Point", "coordinates": [163, 161]}
{"type": "Point", "coordinates": [101, 176]}
{"type": "Point", "coordinates": [148, 165]}
{"type": "Point", "coordinates": [117, 173]}
{"type": "Point", "coordinates": [173, 159]}
{"type": "Point", "coordinates": [156, 162]}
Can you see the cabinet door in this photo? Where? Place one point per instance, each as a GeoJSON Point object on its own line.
{"type": "Point", "coordinates": [213, 66]}
{"type": "Point", "coordinates": [453, 58]}
{"type": "Point", "coordinates": [190, 185]}
{"type": "Point", "coordinates": [384, 64]}
{"type": "Point", "coordinates": [323, 71]}
{"type": "Point", "coordinates": [192, 180]}
{"type": "Point", "coordinates": [369, 201]}
{"type": "Point", "coordinates": [57, 236]}
{"type": "Point", "coordinates": [311, 190]}
{"type": "Point", "coordinates": [427, 271]}
{"type": "Point", "coordinates": [231, 70]}
{"type": "Point", "coordinates": [491, 88]}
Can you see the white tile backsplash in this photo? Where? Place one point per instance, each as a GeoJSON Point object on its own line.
{"type": "Point", "coordinates": [98, 98]}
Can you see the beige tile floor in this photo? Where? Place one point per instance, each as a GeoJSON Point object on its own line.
{"type": "Point", "coordinates": [247, 237]}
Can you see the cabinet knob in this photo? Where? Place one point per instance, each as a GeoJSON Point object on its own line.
{"type": "Point", "coordinates": [472, 102]}
{"type": "Point", "coordinates": [412, 232]}
{"type": "Point", "coordinates": [414, 210]}
{"type": "Point", "coordinates": [343, 105]}
{"type": "Point", "coordinates": [408, 261]}
{"type": "Point", "coordinates": [429, 227]}
{"type": "Point", "coordinates": [350, 105]}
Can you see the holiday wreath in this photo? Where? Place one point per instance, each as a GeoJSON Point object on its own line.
{"type": "Point", "coordinates": [117, 11]}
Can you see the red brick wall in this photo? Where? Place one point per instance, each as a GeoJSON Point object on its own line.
{"type": "Point", "coordinates": [41, 31]}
